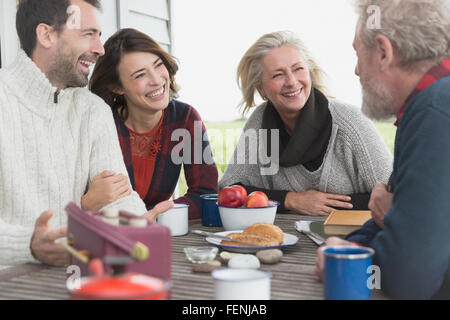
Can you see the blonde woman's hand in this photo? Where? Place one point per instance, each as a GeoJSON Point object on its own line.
{"type": "Point", "coordinates": [105, 188]}
{"type": "Point", "coordinates": [316, 203]}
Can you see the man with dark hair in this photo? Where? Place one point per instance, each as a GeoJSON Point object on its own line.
{"type": "Point", "coordinates": [40, 23]}
{"type": "Point", "coordinates": [31, 13]}
{"type": "Point", "coordinates": [404, 69]}
{"type": "Point", "coordinates": [56, 137]}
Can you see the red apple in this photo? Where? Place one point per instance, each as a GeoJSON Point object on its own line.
{"type": "Point", "coordinates": [230, 197]}
{"type": "Point", "coordinates": [243, 193]}
{"type": "Point", "coordinates": [257, 199]}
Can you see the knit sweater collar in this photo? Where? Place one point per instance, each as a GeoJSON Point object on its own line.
{"type": "Point", "coordinates": [33, 87]}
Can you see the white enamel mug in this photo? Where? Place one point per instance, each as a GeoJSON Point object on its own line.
{"type": "Point", "coordinates": [176, 219]}
{"type": "Point", "coordinates": [241, 284]}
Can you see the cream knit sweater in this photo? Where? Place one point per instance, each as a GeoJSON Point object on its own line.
{"type": "Point", "coordinates": [49, 152]}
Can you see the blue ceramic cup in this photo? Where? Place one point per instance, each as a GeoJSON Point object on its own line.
{"type": "Point", "coordinates": [210, 211]}
{"type": "Point", "coordinates": [346, 272]}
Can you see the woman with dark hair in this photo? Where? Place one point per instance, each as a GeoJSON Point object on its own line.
{"type": "Point", "coordinates": [136, 78]}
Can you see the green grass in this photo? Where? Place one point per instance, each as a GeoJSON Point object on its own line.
{"type": "Point", "coordinates": [223, 137]}
{"type": "Point", "coordinates": [387, 131]}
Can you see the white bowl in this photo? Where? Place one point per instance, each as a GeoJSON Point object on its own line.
{"type": "Point", "coordinates": [238, 218]}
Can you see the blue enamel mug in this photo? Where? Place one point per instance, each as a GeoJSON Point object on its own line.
{"type": "Point", "coordinates": [210, 211]}
{"type": "Point", "coordinates": [346, 272]}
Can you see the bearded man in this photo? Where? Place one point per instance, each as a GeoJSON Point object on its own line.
{"type": "Point", "coordinates": [404, 69]}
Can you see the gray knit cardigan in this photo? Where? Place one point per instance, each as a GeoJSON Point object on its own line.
{"type": "Point", "coordinates": [355, 160]}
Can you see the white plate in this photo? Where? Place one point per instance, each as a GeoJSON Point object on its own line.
{"type": "Point", "coordinates": [289, 240]}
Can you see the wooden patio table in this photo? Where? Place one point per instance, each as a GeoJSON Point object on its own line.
{"type": "Point", "coordinates": [293, 277]}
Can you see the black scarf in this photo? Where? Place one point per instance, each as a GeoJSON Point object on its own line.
{"type": "Point", "coordinates": [309, 141]}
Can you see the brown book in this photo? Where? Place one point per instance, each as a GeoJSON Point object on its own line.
{"type": "Point", "coordinates": [343, 222]}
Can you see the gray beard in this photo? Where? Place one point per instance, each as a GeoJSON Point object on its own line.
{"type": "Point", "coordinates": [377, 101]}
{"type": "Point", "coordinates": [375, 110]}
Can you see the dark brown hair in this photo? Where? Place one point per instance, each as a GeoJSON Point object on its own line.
{"type": "Point", "coordinates": [105, 77]}
{"type": "Point", "coordinates": [31, 13]}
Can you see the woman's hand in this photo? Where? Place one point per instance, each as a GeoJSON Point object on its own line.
{"type": "Point", "coordinates": [316, 203]}
{"type": "Point", "coordinates": [105, 188]}
{"type": "Point", "coordinates": [158, 209]}
{"type": "Point", "coordinates": [380, 203]}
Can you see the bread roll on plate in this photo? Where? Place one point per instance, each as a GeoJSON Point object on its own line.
{"type": "Point", "coordinates": [266, 229]}
{"type": "Point", "coordinates": [257, 239]}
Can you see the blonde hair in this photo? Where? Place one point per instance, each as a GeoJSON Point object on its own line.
{"type": "Point", "coordinates": [418, 29]}
{"type": "Point", "coordinates": [250, 67]}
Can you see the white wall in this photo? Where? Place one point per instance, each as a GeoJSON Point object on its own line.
{"type": "Point", "coordinates": [211, 36]}
{"type": "Point", "coordinates": [151, 17]}
{"type": "Point", "coordinates": [8, 34]}
{"type": "Point", "coordinates": [108, 19]}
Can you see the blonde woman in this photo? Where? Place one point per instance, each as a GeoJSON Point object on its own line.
{"type": "Point", "coordinates": [329, 155]}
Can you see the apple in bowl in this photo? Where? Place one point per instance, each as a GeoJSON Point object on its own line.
{"type": "Point", "coordinates": [238, 211]}
{"type": "Point", "coordinates": [236, 196]}
{"type": "Point", "coordinates": [257, 199]}
{"type": "Point", "coordinates": [231, 197]}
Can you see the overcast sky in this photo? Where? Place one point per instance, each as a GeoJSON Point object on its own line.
{"type": "Point", "coordinates": [210, 37]}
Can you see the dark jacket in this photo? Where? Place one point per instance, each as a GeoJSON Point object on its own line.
{"type": "Point", "coordinates": [413, 249]}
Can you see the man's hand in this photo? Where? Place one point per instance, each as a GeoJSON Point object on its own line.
{"type": "Point", "coordinates": [105, 188]}
{"type": "Point", "coordinates": [158, 209]}
{"type": "Point", "coordinates": [43, 246]}
{"type": "Point", "coordinates": [332, 241]}
{"type": "Point", "coordinates": [316, 203]}
{"type": "Point", "coordinates": [380, 202]}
